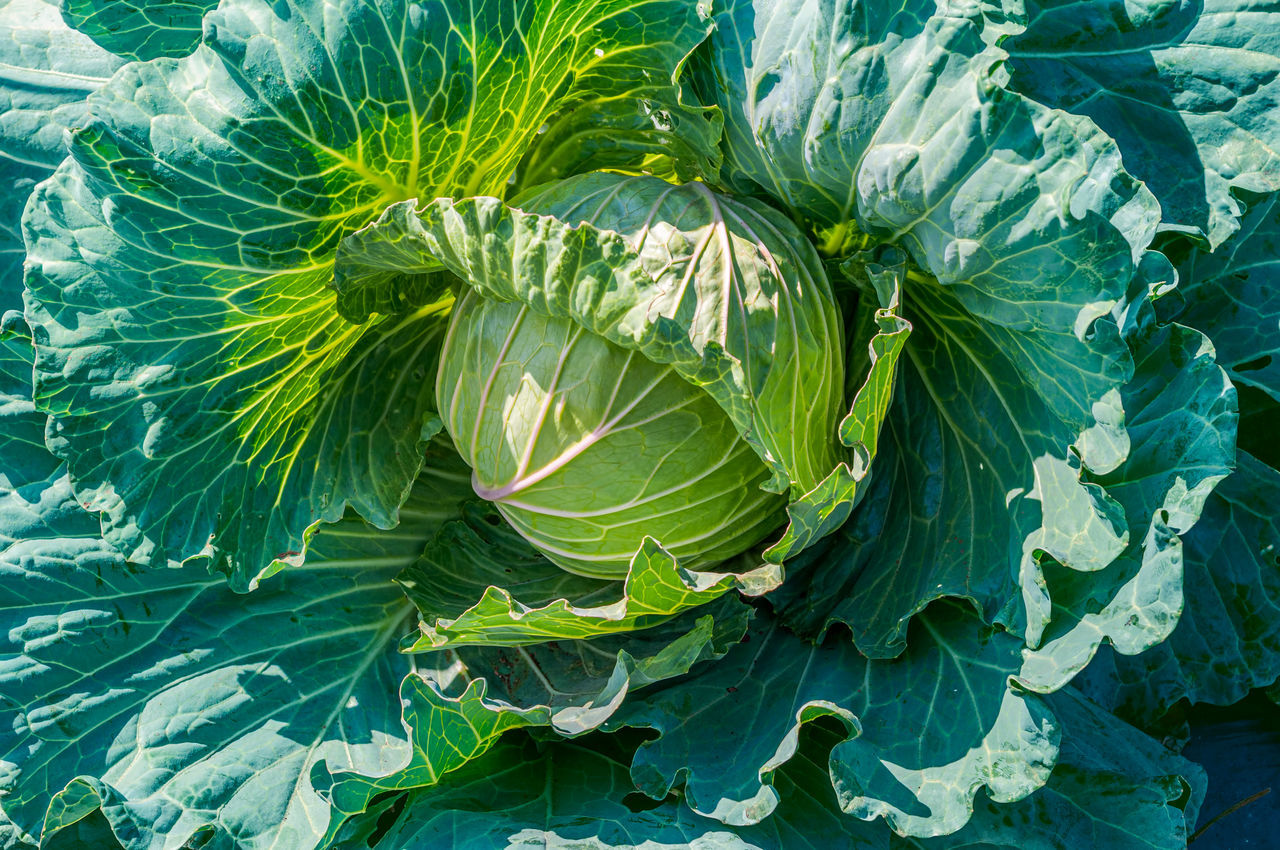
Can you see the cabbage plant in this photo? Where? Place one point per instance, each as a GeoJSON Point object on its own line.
{"type": "Point", "coordinates": [630, 423]}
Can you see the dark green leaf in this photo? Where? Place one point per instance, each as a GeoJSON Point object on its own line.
{"type": "Point", "coordinates": [1233, 295]}
{"type": "Point", "coordinates": [1181, 420]}
{"type": "Point", "coordinates": [923, 732]}
{"type": "Point", "coordinates": [1187, 88]}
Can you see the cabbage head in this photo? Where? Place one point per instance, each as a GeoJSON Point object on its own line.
{"type": "Point", "coordinates": [586, 447]}
{"type": "Point", "coordinates": [634, 359]}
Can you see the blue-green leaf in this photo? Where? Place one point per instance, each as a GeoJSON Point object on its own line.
{"type": "Point", "coordinates": [47, 71]}
{"type": "Point", "coordinates": [166, 700]}
{"type": "Point", "coordinates": [1025, 235]}
{"type": "Point", "coordinates": [980, 467]}
{"type": "Point", "coordinates": [923, 732]}
{"type": "Point", "coordinates": [889, 119]}
{"type": "Point", "coordinates": [570, 796]}
{"type": "Point", "coordinates": [1233, 295]}
{"type": "Point", "coordinates": [1112, 787]}
{"type": "Point", "coordinates": [140, 29]}
{"type": "Point", "coordinates": [190, 681]}
{"type": "Point", "coordinates": [1188, 90]}
{"type": "Point", "coordinates": [1227, 640]}
{"type": "Point", "coordinates": [1181, 411]}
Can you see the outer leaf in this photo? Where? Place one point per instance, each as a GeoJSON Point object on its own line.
{"type": "Point", "coordinates": [445, 733]}
{"type": "Point", "coordinates": [1111, 787]}
{"type": "Point", "coordinates": [573, 796]}
{"type": "Point", "coordinates": [924, 732]}
{"type": "Point", "coordinates": [140, 29]}
{"type": "Point", "coordinates": [180, 258]}
{"type": "Point", "coordinates": [1227, 640]}
{"type": "Point", "coordinates": [975, 473]}
{"type": "Point", "coordinates": [1182, 421]}
{"type": "Point", "coordinates": [1187, 89]}
{"type": "Point", "coordinates": [1233, 295]}
{"type": "Point", "coordinates": [46, 72]}
{"type": "Point", "coordinates": [572, 687]}
{"type": "Point", "coordinates": [318, 681]}
{"type": "Point", "coordinates": [890, 119]}
{"type": "Point", "coordinates": [491, 563]}
{"type": "Point", "coordinates": [1237, 747]}
{"type": "Point", "coordinates": [181, 698]}
{"type": "Point", "coordinates": [176, 705]}
{"type": "Point", "coordinates": [1024, 230]}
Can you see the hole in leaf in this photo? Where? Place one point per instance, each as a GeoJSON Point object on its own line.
{"type": "Point", "coordinates": [638, 802]}
{"type": "Point", "coordinates": [388, 818]}
{"type": "Point", "coordinates": [1254, 365]}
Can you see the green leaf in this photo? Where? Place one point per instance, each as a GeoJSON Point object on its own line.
{"type": "Point", "coordinates": [47, 71]}
{"type": "Point", "coordinates": [1181, 411]}
{"type": "Point", "coordinates": [655, 130]}
{"type": "Point", "coordinates": [891, 121]}
{"type": "Point", "coordinates": [283, 418]}
{"type": "Point", "coordinates": [1227, 640]}
{"type": "Point", "coordinates": [1024, 234]}
{"type": "Point", "coordinates": [1187, 89]}
{"type": "Point", "coordinates": [1111, 787]}
{"type": "Point", "coordinates": [818, 513]}
{"type": "Point", "coordinates": [578, 684]}
{"type": "Point", "coordinates": [444, 734]}
{"type": "Point", "coordinates": [979, 468]}
{"type": "Point", "coordinates": [568, 795]}
{"type": "Point", "coordinates": [227, 416]}
{"type": "Point", "coordinates": [140, 29]}
{"type": "Point", "coordinates": [923, 732]}
{"type": "Point", "coordinates": [479, 583]}
{"type": "Point", "coordinates": [462, 702]}
{"type": "Point", "coordinates": [76, 817]}
{"type": "Point", "coordinates": [1233, 295]}
{"type": "Point", "coordinates": [193, 682]}
{"type": "Point", "coordinates": [168, 701]}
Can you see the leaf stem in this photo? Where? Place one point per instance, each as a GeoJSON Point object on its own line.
{"type": "Point", "coordinates": [1230, 810]}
